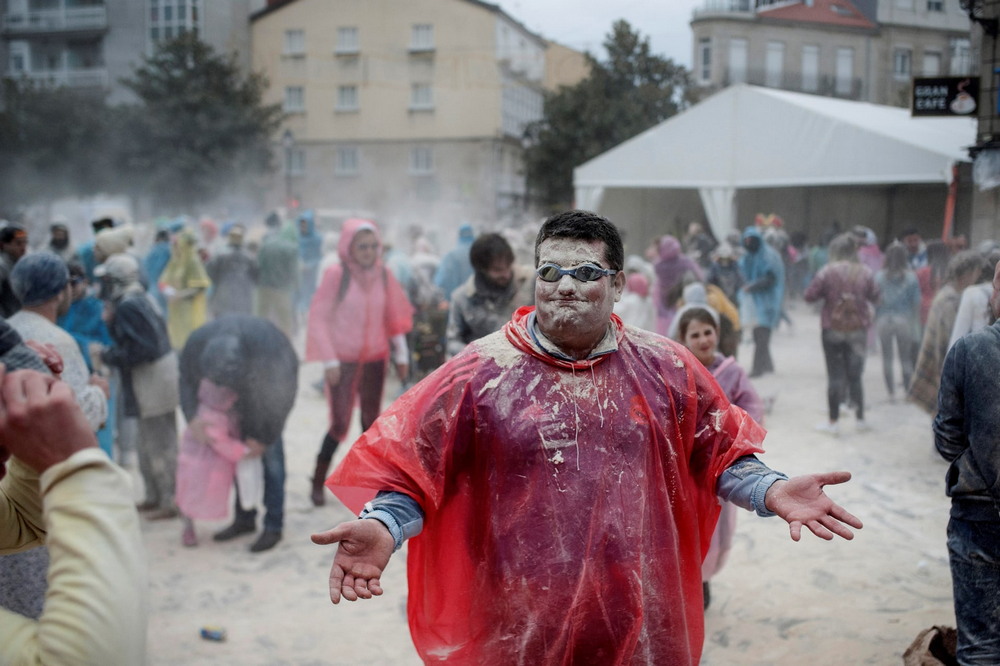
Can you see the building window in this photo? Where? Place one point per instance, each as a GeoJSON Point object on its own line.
{"type": "Point", "coordinates": [810, 68]}
{"type": "Point", "coordinates": [347, 98]}
{"type": "Point", "coordinates": [932, 63]}
{"type": "Point", "coordinates": [295, 99]}
{"type": "Point", "coordinates": [296, 162]}
{"type": "Point", "coordinates": [346, 162]}
{"type": "Point", "coordinates": [844, 71]}
{"type": "Point", "coordinates": [347, 40]}
{"type": "Point", "coordinates": [421, 161]}
{"type": "Point", "coordinates": [421, 97]}
{"type": "Point", "coordinates": [705, 51]}
{"type": "Point", "coordinates": [902, 63]}
{"type": "Point", "coordinates": [737, 60]}
{"type": "Point", "coordinates": [774, 64]}
{"type": "Point", "coordinates": [961, 57]}
{"type": "Point", "coordinates": [422, 37]}
{"type": "Point", "coordinates": [20, 57]}
{"type": "Point", "coordinates": [935, 5]}
{"type": "Point", "coordinates": [295, 43]}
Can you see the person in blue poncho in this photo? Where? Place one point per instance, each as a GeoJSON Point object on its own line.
{"type": "Point", "coordinates": [85, 323]}
{"type": "Point", "coordinates": [764, 273]}
{"type": "Point", "coordinates": [455, 267]}
{"type": "Point", "coordinates": [310, 256]}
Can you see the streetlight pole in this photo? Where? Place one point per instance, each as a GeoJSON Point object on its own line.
{"type": "Point", "coordinates": [288, 142]}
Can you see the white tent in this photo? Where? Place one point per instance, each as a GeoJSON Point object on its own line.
{"type": "Point", "coordinates": [752, 137]}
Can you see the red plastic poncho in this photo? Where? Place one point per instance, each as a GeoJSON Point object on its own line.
{"type": "Point", "coordinates": [568, 504]}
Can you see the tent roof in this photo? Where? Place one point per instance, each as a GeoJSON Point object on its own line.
{"type": "Point", "coordinates": [747, 137]}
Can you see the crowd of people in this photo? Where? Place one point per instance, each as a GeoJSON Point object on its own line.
{"type": "Point", "coordinates": [539, 376]}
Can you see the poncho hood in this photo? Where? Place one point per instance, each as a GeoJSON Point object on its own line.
{"type": "Point", "coordinates": [516, 331]}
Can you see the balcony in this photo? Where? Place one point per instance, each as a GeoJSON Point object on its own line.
{"type": "Point", "coordinates": [55, 21]}
{"type": "Point", "coordinates": [95, 77]}
{"type": "Point", "coordinates": [742, 8]}
{"type": "Point", "coordinates": [825, 85]}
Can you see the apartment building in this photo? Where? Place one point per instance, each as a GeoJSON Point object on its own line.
{"type": "Point", "coordinates": [410, 111]}
{"type": "Point", "coordinates": [867, 50]}
{"type": "Point", "coordinates": [92, 44]}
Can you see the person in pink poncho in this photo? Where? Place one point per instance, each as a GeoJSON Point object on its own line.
{"type": "Point", "coordinates": [212, 449]}
{"type": "Point", "coordinates": [358, 314]}
{"type": "Point", "coordinates": [698, 330]}
{"type": "Point", "coordinates": [559, 481]}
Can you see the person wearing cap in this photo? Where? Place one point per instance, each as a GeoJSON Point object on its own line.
{"type": "Point", "coordinates": [233, 273]}
{"type": "Point", "coordinates": [13, 245]}
{"type": "Point", "coordinates": [141, 351]}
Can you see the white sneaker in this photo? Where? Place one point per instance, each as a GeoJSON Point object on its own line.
{"type": "Point", "coordinates": [863, 426]}
{"type": "Point", "coordinates": [829, 428]}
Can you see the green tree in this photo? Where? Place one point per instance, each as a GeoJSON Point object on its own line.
{"type": "Point", "coordinates": [200, 128]}
{"type": "Point", "coordinates": [629, 93]}
{"type": "Point", "coordinates": [53, 142]}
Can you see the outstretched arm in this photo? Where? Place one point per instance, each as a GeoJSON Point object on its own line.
{"type": "Point", "coordinates": [363, 552]}
{"type": "Point", "coordinates": [801, 501]}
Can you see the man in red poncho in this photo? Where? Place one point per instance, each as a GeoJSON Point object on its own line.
{"type": "Point", "coordinates": [560, 480]}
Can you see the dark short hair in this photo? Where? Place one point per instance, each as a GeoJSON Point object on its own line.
{"type": "Point", "coordinates": [695, 314]}
{"type": "Point", "coordinates": [487, 249]}
{"type": "Point", "coordinates": [587, 226]}
{"type": "Point", "coordinates": [101, 224]}
{"type": "Point", "coordinates": [11, 231]}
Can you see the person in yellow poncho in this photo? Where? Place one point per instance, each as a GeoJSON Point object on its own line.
{"type": "Point", "coordinates": [185, 285]}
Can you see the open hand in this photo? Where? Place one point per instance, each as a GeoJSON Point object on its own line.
{"type": "Point", "coordinates": [801, 501]}
{"type": "Point", "coordinates": [364, 549]}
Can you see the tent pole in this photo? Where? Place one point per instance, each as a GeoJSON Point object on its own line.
{"type": "Point", "coordinates": [949, 204]}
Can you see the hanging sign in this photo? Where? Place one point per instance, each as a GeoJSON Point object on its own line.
{"type": "Point", "coordinates": [945, 96]}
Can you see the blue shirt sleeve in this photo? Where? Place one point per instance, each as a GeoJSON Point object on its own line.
{"type": "Point", "coordinates": [746, 482]}
{"type": "Point", "coordinates": [399, 512]}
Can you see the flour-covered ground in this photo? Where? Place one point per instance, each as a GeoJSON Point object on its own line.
{"type": "Point", "coordinates": [776, 602]}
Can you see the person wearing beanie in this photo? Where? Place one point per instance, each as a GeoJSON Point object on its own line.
{"type": "Point", "coordinates": [13, 245]}
{"type": "Point", "coordinates": [41, 282]}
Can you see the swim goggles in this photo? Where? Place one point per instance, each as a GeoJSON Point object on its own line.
{"type": "Point", "coordinates": [583, 273]}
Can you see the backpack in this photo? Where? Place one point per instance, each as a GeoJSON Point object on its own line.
{"type": "Point", "coordinates": [848, 312]}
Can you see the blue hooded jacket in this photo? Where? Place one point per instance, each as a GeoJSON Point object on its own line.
{"type": "Point", "coordinates": [764, 273]}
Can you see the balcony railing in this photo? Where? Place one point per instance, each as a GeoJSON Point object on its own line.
{"type": "Point", "coordinates": [95, 77]}
{"type": "Point", "coordinates": [825, 85]}
{"type": "Point", "coordinates": [748, 7]}
{"type": "Point", "coordinates": [77, 19]}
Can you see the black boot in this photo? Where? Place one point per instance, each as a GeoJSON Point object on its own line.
{"type": "Point", "coordinates": [318, 477]}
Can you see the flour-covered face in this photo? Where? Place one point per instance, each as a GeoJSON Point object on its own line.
{"type": "Point", "coordinates": [570, 312]}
